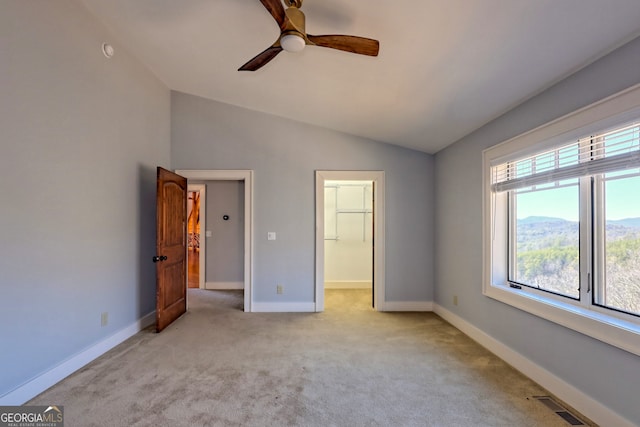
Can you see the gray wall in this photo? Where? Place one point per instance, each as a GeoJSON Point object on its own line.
{"type": "Point", "coordinates": [225, 248]}
{"type": "Point", "coordinates": [284, 155]}
{"type": "Point", "coordinates": [81, 136]}
{"type": "Point", "coordinates": [605, 373]}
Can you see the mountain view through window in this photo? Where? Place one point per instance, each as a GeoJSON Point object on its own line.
{"type": "Point", "coordinates": [546, 235]}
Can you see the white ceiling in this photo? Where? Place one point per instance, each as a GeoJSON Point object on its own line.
{"type": "Point", "coordinates": [445, 68]}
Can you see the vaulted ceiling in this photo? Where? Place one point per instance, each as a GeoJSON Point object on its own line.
{"type": "Point", "coordinates": [445, 67]}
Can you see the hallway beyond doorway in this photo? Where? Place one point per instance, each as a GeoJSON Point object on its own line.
{"type": "Point", "coordinates": [193, 268]}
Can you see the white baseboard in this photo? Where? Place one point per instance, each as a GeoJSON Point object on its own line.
{"type": "Point", "coordinates": [224, 286]}
{"type": "Point", "coordinates": [42, 382]}
{"type": "Point", "coordinates": [348, 284]}
{"type": "Point", "coordinates": [583, 403]}
{"type": "Point", "coordinates": [283, 307]}
{"type": "Point", "coordinates": [408, 306]}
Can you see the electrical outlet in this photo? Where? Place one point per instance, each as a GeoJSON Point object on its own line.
{"type": "Point", "coordinates": [279, 289]}
{"type": "Point", "coordinates": [104, 319]}
{"type": "Point", "coordinates": [455, 300]}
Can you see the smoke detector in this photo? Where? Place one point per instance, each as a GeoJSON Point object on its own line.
{"type": "Point", "coordinates": [107, 50]}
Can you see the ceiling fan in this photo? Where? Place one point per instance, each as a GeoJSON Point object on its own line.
{"type": "Point", "coordinates": [293, 37]}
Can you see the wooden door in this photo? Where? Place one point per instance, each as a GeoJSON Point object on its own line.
{"type": "Point", "coordinates": [171, 248]}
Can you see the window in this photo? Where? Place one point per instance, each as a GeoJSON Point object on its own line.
{"type": "Point", "coordinates": [562, 222]}
{"type": "Point", "coordinates": [544, 242]}
{"type": "Point", "coordinates": [619, 249]}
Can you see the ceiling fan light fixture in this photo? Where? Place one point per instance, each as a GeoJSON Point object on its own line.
{"type": "Point", "coordinates": [294, 37]}
{"type": "Point", "coordinates": [292, 42]}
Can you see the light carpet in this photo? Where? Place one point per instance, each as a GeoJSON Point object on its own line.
{"type": "Point", "coordinates": [347, 366]}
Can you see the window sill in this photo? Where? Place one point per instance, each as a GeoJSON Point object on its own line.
{"type": "Point", "coordinates": [611, 330]}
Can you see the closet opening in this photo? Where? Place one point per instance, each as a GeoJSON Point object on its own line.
{"type": "Point", "coordinates": [350, 259]}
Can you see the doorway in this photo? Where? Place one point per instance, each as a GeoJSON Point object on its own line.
{"type": "Point", "coordinates": [224, 235]}
{"type": "Point", "coordinates": [350, 202]}
{"type": "Point", "coordinates": [246, 177]}
{"type": "Point", "coordinates": [196, 222]}
{"type": "Point", "coordinates": [348, 242]}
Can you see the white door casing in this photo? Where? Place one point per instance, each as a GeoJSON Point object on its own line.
{"type": "Point", "coordinates": [379, 231]}
{"type": "Point", "coordinates": [247, 177]}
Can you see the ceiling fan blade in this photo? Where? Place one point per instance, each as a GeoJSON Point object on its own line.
{"type": "Point", "coordinates": [276, 10]}
{"type": "Point", "coordinates": [354, 44]}
{"type": "Point", "coordinates": [261, 59]}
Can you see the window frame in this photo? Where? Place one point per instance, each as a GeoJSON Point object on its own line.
{"type": "Point", "coordinates": [615, 328]}
{"type": "Point", "coordinates": [511, 245]}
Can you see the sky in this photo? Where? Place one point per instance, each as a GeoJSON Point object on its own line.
{"type": "Point", "coordinates": [622, 188]}
{"type": "Point", "coordinates": [623, 201]}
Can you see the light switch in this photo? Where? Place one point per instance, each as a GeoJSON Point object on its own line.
{"type": "Point", "coordinates": [271, 235]}
{"type": "Point", "coordinates": [208, 233]}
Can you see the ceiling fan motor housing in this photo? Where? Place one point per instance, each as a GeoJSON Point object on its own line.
{"type": "Point", "coordinates": [296, 22]}
{"type": "Point", "coordinates": [294, 37]}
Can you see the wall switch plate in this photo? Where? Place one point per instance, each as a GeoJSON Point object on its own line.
{"type": "Point", "coordinates": [104, 319]}
{"type": "Point", "coordinates": [208, 233]}
{"type": "Point", "coordinates": [271, 235]}
{"type": "Point", "coordinates": [279, 289]}
{"type": "Point", "coordinates": [455, 300]}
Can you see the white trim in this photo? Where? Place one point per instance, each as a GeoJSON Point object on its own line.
{"type": "Point", "coordinates": [222, 286]}
{"type": "Point", "coordinates": [284, 307]}
{"type": "Point", "coordinates": [603, 327]}
{"type": "Point", "coordinates": [202, 261]}
{"type": "Point", "coordinates": [613, 111]}
{"type": "Point", "coordinates": [408, 306]}
{"type": "Point", "coordinates": [247, 177]}
{"type": "Point", "coordinates": [378, 179]}
{"type": "Point", "coordinates": [348, 284]}
{"type": "Point", "coordinates": [583, 403]}
{"type": "Point", "coordinates": [56, 374]}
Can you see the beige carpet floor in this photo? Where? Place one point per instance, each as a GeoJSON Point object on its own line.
{"type": "Point", "coordinates": [347, 366]}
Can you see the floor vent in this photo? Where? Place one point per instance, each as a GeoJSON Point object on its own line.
{"type": "Point", "coordinates": [562, 412]}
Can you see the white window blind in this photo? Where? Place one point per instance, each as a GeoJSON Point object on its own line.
{"type": "Point", "coordinates": [611, 151]}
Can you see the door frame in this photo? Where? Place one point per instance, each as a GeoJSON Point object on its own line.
{"type": "Point", "coordinates": [247, 177]}
{"type": "Point", "coordinates": [379, 231]}
{"type": "Point", "coordinates": [202, 258]}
